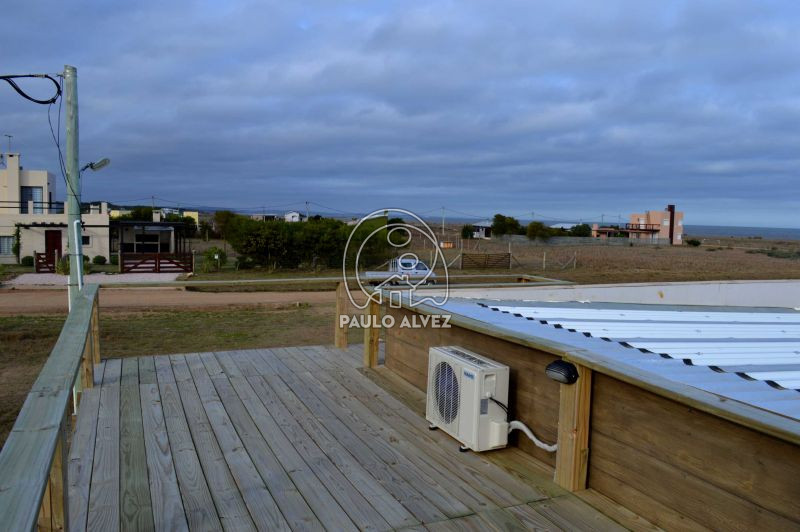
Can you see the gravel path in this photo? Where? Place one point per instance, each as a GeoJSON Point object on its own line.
{"type": "Point", "coordinates": [53, 279]}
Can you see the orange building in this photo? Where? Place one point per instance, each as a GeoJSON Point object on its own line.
{"type": "Point", "coordinates": [651, 225]}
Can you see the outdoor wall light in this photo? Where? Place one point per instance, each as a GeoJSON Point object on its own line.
{"type": "Point", "coordinates": [562, 371]}
{"type": "Point", "coordinates": [102, 163]}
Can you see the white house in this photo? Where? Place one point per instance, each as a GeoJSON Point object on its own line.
{"type": "Point", "coordinates": [27, 202]}
{"type": "Point", "coordinates": [294, 216]}
{"type": "Point", "coordinates": [482, 229]}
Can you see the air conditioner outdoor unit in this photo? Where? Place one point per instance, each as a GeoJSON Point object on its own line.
{"type": "Point", "coordinates": [465, 394]}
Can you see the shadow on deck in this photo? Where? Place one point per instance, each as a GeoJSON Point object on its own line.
{"type": "Point", "coordinates": [289, 438]}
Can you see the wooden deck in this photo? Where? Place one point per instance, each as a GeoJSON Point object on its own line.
{"type": "Point", "coordinates": [290, 438]}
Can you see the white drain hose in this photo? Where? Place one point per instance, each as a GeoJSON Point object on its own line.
{"type": "Point", "coordinates": [519, 425]}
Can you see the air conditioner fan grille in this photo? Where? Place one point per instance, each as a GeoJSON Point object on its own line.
{"type": "Point", "coordinates": [445, 387]}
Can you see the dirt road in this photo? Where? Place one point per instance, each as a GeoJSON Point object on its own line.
{"type": "Point", "coordinates": [20, 301]}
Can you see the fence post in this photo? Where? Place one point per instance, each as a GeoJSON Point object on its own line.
{"type": "Point", "coordinates": [339, 332]}
{"type": "Point", "coordinates": [544, 261]}
{"type": "Point", "coordinates": [572, 458]}
{"type": "Point", "coordinates": [193, 261]}
{"type": "Point", "coordinates": [372, 334]}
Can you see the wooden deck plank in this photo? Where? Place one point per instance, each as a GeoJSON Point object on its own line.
{"type": "Point", "coordinates": [147, 370]}
{"type": "Point", "coordinates": [199, 508]}
{"type": "Point", "coordinates": [570, 513]}
{"type": "Point", "coordinates": [103, 511]}
{"type": "Point", "coordinates": [259, 501]}
{"type": "Point", "coordinates": [291, 503]}
{"type": "Point", "coordinates": [168, 513]}
{"type": "Point", "coordinates": [232, 511]}
{"type": "Point", "coordinates": [397, 479]}
{"type": "Point", "coordinates": [502, 520]}
{"type": "Point", "coordinates": [212, 365]}
{"type": "Point", "coordinates": [350, 498]}
{"type": "Point", "coordinates": [136, 512]}
{"type": "Point", "coordinates": [445, 490]}
{"type": "Point", "coordinates": [500, 487]}
{"type": "Point", "coordinates": [314, 489]}
{"type": "Point", "coordinates": [531, 519]}
{"type": "Point", "coordinates": [386, 491]}
{"type": "Point", "coordinates": [81, 458]}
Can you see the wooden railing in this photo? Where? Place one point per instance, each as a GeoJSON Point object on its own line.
{"type": "Point", "coordinates": [33, 462]}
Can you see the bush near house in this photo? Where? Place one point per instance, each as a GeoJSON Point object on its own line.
{"type": "Point", "coordinates": [99, 259]}
{"type": "Point", "coordinates": [114, 259]}
{"type": "Point", "coordinates": [214, 259]}
{"type": "Point", "coordinates": [693, 242]}
{"type": "Point", "coordinates": [62, 266]}
{"type": "Point", "coordinates": [27, 261]}
{"type": "Point", "coordinates": [467, 231]}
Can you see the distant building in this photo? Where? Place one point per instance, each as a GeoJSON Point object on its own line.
{"type": "Point", "coordinates": [482, 229]}
{"type": "Point", "coordinates": [27, 202]}
{"type": "Point", "coordinates": [564, 226]}
{"type": "Point", "coordinates": [294, 216]}
{"type": "Point", "coordinates": [264, 217]}
{"type": "Point", "coordinates": [657, 226]}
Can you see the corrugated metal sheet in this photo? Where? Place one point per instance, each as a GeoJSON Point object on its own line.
{"type": "Point", "coordinates": [752, 357]}
{"type": "Point", "coordinates": [690, 332]}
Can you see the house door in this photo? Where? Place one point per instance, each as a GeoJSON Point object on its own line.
{"type": "Point", "coordinates": [52, 244]}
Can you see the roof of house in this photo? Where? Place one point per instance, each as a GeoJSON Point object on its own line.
{"type": "Point", "coordinates": [750, 355]}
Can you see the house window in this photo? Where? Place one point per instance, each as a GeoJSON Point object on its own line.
{"type": "Point", "coordinates": [6, 245]}
{"type": "Point", "coordinates": [34, 194]}
{"type": "Point", "coordinates": [86, 240]}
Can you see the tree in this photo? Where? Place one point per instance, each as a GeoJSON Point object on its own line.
{"type": "Point", "coordinates": [538, 230]}
{"type": "Point", "coordinates": [506, 225]}
{"type": "Point", "coordinates": [222, 220]}
{"type": "Point", "coordinates": [467, 231]}
{"type": "Point", "coordinates": [583, 230]}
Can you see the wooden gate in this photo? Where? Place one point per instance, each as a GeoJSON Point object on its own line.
{"type": "Point", "coordinates": [45, 262]}
{"type": "Point", "coordinates": [485, 260]}
{"type": "Point", "coordinates": [155, 262]}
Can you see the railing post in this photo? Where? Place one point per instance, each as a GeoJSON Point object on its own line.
{"type": "Point", "coordinates": [572, 458]}
{"type": "Point", "coordinates": [95, 334]}
{"type": "Point", "coordinates": [54, 512]}
{"type": "Point", "coordinates": [372, 334]}
{"type": "Point", "coordinates": [340, 331]}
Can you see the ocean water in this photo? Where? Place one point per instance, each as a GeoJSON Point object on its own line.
{"type": "Point", "coordinates": [767, 233]}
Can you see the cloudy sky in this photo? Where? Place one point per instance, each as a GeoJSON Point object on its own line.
{"type": "Point", "coordinates": [569, 109]}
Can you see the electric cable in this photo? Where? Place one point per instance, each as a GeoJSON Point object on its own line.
{"type": "Point", "coordinates": [9, 78]}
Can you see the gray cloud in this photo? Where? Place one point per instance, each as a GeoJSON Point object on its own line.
{"type": "Point", "coordinates": [573, 109]}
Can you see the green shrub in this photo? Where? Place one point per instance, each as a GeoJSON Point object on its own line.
{"type": "Point", "coordinates": [214, 259]}
{"type": "Point", "coordinates": [99, 259]}
{"type": "Point", "coordinates": [467, 231]}
{"type": "Point", "coordinates": [114, 259]}
{"type": "Point", "coordinates": [62, 266]}
{"type": "Point", "coordinates": [693, 242]}
{"type": "Point", "coordinates": [27, 260]}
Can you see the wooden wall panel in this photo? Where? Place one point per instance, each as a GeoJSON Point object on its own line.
{"type": "Point", "coordinates": [533, 397]}
{"type": "Point", "coordinates": [715, 473]}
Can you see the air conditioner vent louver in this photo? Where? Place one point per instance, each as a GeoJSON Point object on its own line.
{"type": "Point", "coordinates": [446, 392]}
{"type": "Point", "coordinates": [460, 385]}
